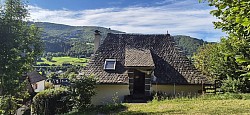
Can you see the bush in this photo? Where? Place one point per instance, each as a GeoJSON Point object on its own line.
{"type": "Point", "coordinates": [52, 101]}
{"type": "Point", "coordinates": [233, 85]}
{"type": "Point", "coordinates": [83, 90]}
{"type": "Point", "coordinates": [48, 85]}
{"type": "Point", "coordinates": [8, 105]}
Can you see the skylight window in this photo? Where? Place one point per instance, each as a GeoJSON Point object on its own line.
{"type": "Point", "coordinates": [109, 64]}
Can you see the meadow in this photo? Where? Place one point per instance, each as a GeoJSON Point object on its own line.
{"type": "Point", "coordinates": [58, 61]}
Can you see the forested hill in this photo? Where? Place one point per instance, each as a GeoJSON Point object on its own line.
{"type": "Point", "coordinates": [188, 44]}
{"type": "Point", "coordinates": [53, 31]}
{"type": "Point", "coordinates": [69, 40]}
{"type": "Point", "coordinates": [78, 40]}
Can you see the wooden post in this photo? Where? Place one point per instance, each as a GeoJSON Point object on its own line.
{"type": "Point", "coordinates": [202, 88]}
{"type": "Point", "coordinates": [174, 89]}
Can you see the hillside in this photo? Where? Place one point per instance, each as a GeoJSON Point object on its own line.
{"type": "Point", "coordinates": [69, 40]}
{"type": "Point", "coordinates": [78, 40]}
{"type": "Point", "coordinates": [65, 32]}
{"type": "Point", "coordinates": [188, 44]}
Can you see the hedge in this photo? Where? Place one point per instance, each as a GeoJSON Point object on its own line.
{"type": "Point", "coordinates": [52, 101]}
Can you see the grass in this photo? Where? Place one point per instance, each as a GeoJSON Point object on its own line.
{"type": "Point", "coordinates": [58, 61]}
{"type": "Point", "coordinates": [190, 106]}
{"type": "Point", "coordinates": [223, 104]}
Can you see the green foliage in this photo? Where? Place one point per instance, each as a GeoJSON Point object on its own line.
{"type": "Point", "coordinates": [234, 17]}
{"type": "Point", "coordinates": [71, 73]}
{"type": "Point", "coordinates": [233, 54]}
{"type": "Point", "coordinates": [188, 44]}
{"type": "Point", "coordinates": [20, 45]}
{"type": "Point", "coordinates": [49, 58]}
{"type": "Point", "coordinates": [71, 40]}
{"type": "Point", "coordinates": [83, 90]}
{"type": "Point", "coordinates": [233, 85]}
{"type": "Point", "coordinates": [8, 105]}
{"type": "Point", "coordinates": [48, 85]}
{"type": "Point", "coordinates": [208, 60]}
{"type": "Point", "coordinates": [52, 101]}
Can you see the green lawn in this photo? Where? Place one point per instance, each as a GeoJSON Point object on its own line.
{"type": "Point", "coordinates": [60, 60]}
{"type": "Point", "coordinates": [211, 105]}
{"type": "Point", "coordinates": [196, 106]}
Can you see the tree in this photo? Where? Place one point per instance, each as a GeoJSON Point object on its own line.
{"type": "Point", "coordinates": [233, 51]}
{"type": "Point", "coordinates": [208, 60]}
{"type": "Point", "coordinates": [20, 45]}
{"type": "Point", "coordinates": [234, 18]}
{"type": "Point", "coordinates": [82, 92]}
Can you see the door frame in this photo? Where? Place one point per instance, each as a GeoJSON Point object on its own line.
{"type": "Point", "coordinates": [139, 83]}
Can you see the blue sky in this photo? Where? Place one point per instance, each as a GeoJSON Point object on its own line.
{"type": "Point", "coordinates": [179, 17]}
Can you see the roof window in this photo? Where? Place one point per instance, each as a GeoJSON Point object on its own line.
{"type": "Point", "coordinates": [109, 64]}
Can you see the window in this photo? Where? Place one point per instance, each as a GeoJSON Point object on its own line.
{"type": "Point", "coordinates": [109, 64]}
{"type": "Point", "coordinates": [34, 86]}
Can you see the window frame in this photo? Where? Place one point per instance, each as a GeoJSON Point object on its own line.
{"type": "Point", "coordinates": [107, 61]}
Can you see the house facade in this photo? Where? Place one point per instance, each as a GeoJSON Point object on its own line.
{"type": "Point", "coordinates": [137, 65]}
{"type": "Point", "coordinates": [37, 81]}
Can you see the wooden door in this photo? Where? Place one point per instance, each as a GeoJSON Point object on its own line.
{"type": "Point", "coordinates": [139, 83]}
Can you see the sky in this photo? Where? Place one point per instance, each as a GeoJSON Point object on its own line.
{"type": "Point", "coordinates": [178, 17]}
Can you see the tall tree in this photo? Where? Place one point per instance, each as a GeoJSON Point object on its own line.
{"type": "Point", "coordinates": [234, 51]}
{"type": "Point", "coordinates": [20, 45]}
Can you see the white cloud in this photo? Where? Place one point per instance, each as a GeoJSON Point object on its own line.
{"type": "Point", "coordinates": [158, 19]}
{"type": "Point", "coordinates": [2, 1]}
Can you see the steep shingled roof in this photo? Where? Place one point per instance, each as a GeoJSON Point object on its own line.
{"type": "Point", "coordinates": [171, 65]}
{"type": "Point", "coordinates": [35, 77]}
{"type": "Point", "coordinates": [138, 57]}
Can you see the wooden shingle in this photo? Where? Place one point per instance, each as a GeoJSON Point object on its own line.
{"type": "Point", "coordinates": [138, 57]}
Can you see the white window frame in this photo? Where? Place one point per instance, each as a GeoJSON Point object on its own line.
{"type": "Point", "coordinates": [109, 60]}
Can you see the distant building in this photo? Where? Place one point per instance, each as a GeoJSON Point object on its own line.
{"type": "Point", "coordinates": [136, 65]}
{"type": "Point", "coordinates": [37, 81]}
{"type": "Point", "coordinates": [58, 82]}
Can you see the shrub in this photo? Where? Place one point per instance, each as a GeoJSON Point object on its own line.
{"type": "Point", "coordinates": [233, 85]}
{"type": "Point", "coordinates": [48, 85]}
{"type": "Point", "coordinates": [52, 101]}
{"type": "Point", "coordinates": [83, 90]}
{"type": "Point", "coordinates": [8, 105]}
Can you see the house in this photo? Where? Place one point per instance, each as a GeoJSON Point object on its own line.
{"type": "Point", "coordinates": [36, 80]}
{"type": "Point", "coordinates": [58, 82]}
{"type": "Point", "coordinates": [137, 65]}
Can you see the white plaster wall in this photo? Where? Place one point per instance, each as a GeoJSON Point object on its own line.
{"type": "Point", "coordinates": [106, 93]}
{"type": "Point", "coordinates": [177, 89]}
{"type": "Point", "coordinates": [40, 86]}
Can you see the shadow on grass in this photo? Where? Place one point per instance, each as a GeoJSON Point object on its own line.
{"type": "Point", "coordinates": [111, 109]}
{"type": "Point", "coordinates": [102, 109]}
